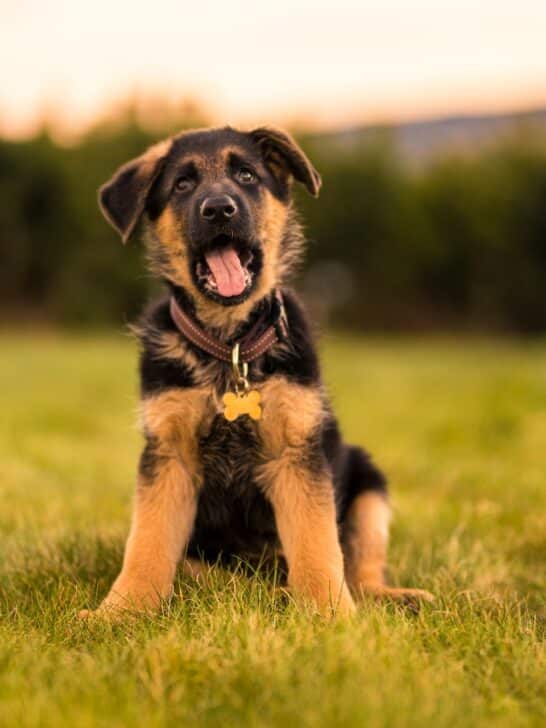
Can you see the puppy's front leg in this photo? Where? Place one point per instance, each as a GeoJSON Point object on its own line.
{"type": "Point", "coordinates": [306, 521]}
{"type": "Point", "coordinates": [300, 489]}
{"type": "Point", "coordinates": [165, 504]}
{"type": "Point", "coordinates": [163, 518]}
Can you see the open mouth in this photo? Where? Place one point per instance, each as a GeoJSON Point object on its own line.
{"type": "Point", "coordinates": [227, 271]}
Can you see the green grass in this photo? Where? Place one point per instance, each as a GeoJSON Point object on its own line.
{"type": "Point", "coordinates": [460, 428]}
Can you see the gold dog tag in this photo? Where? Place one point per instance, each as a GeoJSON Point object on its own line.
{"type": "Point", "coordinates": [242, 403]}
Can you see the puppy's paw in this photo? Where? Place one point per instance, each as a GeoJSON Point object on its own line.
{"type": "Point", "coordinates": [121, 605]}
{"type": "Point", "coordinates": [331, 603]}
{"type": "Point", "coordinates": [411, 598]}
{"type": "Point", "coordinates": [106, 613]}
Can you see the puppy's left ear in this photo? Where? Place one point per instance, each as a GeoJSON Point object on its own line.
{"type": "Point", "coordinates": [283, 155]}
{"type": "Point", "coordinates": [123, 198]}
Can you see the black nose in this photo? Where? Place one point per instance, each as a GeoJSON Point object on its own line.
{"type": "Point", "coordinates": [218, 208]}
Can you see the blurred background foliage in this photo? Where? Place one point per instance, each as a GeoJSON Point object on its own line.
{"type": "Point", "coordinates": [456, 241]}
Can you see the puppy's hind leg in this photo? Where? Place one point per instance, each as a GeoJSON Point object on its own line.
{"type": "Point", "coordinates": [365, 536]}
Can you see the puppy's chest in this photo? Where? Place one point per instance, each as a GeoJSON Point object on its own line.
{"type": "Point", "coordinates": [232, 508]}
{"type": "Point", "coordinates": [229, 453]}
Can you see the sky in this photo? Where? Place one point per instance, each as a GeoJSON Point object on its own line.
{"type": "Point", "coordinates": [325, 64]}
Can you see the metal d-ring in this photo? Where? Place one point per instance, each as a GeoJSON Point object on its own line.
{"type": "Point", "coordinates": [240, 375]}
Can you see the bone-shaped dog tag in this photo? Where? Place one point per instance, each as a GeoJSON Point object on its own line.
{"type": "Point", "coordinates": [243, 403]}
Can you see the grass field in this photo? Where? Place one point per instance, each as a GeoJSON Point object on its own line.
{"type": "Point", "coordinates": [460, 428]}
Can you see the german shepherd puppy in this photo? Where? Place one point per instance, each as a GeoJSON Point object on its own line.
{"type": "Point", "coordinates": [243, 457]}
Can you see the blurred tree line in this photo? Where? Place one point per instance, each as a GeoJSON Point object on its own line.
{"type": "Point", "coordinates": [458, 242]}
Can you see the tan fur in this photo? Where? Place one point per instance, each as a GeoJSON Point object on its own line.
{"type": "Point", "coordinates": [168, 250]}
{"type": "Point", "coordinates": [274, 215]}
{"type": "Point", "coordinates": [303, 502]}
{"type": "Point", "coordinates": [177, 418]}
{"type": "Point", "coordinates": [290, 414]}
{"type": "Point", "coordinates": [365, 541]}
{"type": "Point", "coordinates": [169, 231]}
{"type": "Point", "coordinates": [224, 320]}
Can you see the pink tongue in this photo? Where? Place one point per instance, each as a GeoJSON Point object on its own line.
{"type": "Point", "coordinates": [227, 271]}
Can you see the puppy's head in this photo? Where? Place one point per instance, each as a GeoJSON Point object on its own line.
{"type": "Point", "coordinates": [216, 207]}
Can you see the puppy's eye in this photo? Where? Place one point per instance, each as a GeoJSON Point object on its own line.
{"type": "Point", "coordinates": [184, 184]}
{"type": "Point", "coordinates": [246, 176]}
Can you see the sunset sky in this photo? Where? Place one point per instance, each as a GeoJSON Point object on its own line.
{"type": "Point", "coordinates": [289, 60]}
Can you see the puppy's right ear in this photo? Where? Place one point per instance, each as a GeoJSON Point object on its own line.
{"type": "Point", "coordinates": [123, 198]}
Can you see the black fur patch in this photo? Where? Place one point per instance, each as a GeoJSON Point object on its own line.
{"type": "Point", "coordinates": [298, 360]}
{"type": "Point", "coordinates": [233, 516]}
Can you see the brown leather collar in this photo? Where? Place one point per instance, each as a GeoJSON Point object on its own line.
{"type": "Point", "coordinates": [251, 346]}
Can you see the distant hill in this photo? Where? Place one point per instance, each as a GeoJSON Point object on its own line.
{"type": "Point", "coordinates": [419, 140]}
